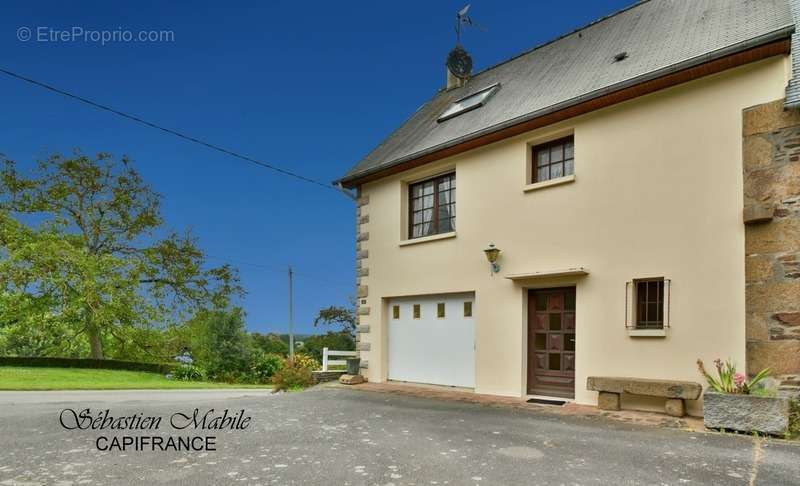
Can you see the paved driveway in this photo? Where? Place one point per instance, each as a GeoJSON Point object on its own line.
{"type": "Point", "coordinates": [346, 437]}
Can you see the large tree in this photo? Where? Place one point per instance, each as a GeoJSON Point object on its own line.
{"type": "Point", "coordinates": [339, 316]}
{"type": "Point", "coordinates": [83, 244]}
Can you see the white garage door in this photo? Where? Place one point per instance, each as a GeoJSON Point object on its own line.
{"type": "Point", "coordinates": [426, 347]}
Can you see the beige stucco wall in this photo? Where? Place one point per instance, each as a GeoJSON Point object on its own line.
{"type": "Point", "coordinates": [658, 192]}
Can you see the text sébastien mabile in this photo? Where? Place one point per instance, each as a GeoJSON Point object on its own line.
{"type": "Point", "coordinates": [195, 428]}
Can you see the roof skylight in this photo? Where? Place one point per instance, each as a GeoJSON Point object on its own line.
{"type": "Point", "coordinates": [471, 102]}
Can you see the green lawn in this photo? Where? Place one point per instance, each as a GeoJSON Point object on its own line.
{"type": "Point", "coordinates": [25, 378]}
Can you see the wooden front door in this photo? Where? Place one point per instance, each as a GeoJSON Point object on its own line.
{"type": "Point", "coordinates": [551, 342]}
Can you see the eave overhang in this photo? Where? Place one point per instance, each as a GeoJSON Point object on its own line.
{"type": "Point", "coordinates": [769, 45]}
{"type": "Point", "coordinates": [544, 274]}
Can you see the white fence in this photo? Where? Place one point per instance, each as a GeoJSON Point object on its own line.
{"type": "Point", "coordinates": [327, 353]}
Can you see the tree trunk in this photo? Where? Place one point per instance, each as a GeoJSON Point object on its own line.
{"type": "Point", "coordinates": [95, 342]}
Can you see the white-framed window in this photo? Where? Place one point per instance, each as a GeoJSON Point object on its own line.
{"type": "Point", "coordinates": [553, 160]}
{"type": "Point", "coordinates": [432, 206]}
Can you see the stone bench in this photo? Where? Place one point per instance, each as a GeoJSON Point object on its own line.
{"type": "Point", "coordinates": [675, 392]}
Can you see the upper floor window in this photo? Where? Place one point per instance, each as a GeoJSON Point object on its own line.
{"type": "Point", "coordinates": [554, 159]}
{"type": "Point", "coordinates": [432, 206]}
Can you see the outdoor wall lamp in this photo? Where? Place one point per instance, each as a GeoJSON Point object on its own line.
{"type": "Point", "coordinates": [492, 252]}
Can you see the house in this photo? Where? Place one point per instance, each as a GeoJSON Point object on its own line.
{"type": "Point", "coordinates": [640, 178]}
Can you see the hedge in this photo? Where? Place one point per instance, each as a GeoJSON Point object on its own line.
{"type": "Point", "coordinates": [107, 364]}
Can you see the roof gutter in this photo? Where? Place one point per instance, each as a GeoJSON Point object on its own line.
{"type": "Point", "coordinates": [778, 35]}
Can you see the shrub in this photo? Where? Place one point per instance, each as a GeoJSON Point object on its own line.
{"type": "Point", "coordinates": [303, 360]}
{"type": "Point", "coordinates": [230, 377]}
{"type": "Point", "coordinates": [292, 377]}
{"type": "Point", "coordinates": [270, 343]}
{"type": "Point", "coordinates": [108, 364]}
{"type": "Point", "coordinates": [189, 372]}
{"type": "Point", "coordinates": [265, 366]}
{"type": "Point", "coordinates": [728, 380]}
{"type": "Point", "coordinates": [222, 345]}
{"type": "Point", "coordinates": [340, 341]}
{"type": "Point", "coordinates": [45, 337]}
{"type": "Point", "coordinates": [794, 419]}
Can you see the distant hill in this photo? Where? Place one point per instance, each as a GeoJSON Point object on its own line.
{"type": "Point", "coordinates": [297, 337]}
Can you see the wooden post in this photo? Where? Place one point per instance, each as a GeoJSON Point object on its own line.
{"type": "Point", "coordinates": [324, 359]}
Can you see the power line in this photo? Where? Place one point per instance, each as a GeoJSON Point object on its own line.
{"type": "Point", "coordinates": [193, 140]}
{"type": "Point", "coordinates": [274, 268]}
{"type": "Point", "coordinates": [189, 138]}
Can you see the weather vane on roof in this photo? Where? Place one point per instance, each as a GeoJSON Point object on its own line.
{"type": "Point", "coordinates": [459, 62]}
{"type": "Point", "coordinates": [463, 20]}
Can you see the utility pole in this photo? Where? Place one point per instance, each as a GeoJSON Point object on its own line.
{"type": "Point", "coordinates": [291, 317]}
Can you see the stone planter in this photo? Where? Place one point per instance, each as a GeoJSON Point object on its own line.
{"type": "Point", "coordinates": [746, 413]}
{"type": "Point", "coordinates": [353, 366]}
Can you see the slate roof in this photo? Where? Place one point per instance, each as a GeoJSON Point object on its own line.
{"type": "Point", "coordinates": [660, 36]}
{"type": "Point", "coordinates": [793, 90]}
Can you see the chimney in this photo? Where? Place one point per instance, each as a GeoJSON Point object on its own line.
{"type": "Point", "coordinates": [459, 67]}
{"type": "Point", "coordinates": [454, 81]}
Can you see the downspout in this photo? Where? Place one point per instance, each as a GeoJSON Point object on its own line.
{"type": "Point", "coordinates": [345, 191]}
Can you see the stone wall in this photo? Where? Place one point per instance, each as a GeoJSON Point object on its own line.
{"type": "Point", "coordinates": [771, 157]}
{"type": "Point", "coordinates": [362, 276]}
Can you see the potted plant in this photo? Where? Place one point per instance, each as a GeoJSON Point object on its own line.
{"type": "Point", "coordinates": [732, 402]}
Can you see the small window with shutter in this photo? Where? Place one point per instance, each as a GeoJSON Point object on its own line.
{"type": "Point", "coordinates": [649, 304]}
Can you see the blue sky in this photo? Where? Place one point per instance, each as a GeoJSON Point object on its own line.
{"type": "Point", "coordinates": [309, 86]}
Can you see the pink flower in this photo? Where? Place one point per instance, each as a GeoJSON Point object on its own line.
{"type": "Point", "coordinates": [739, 378]}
